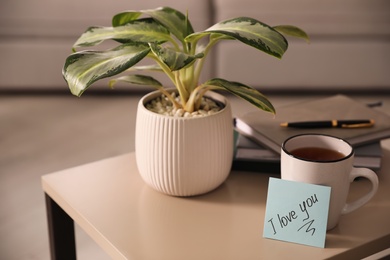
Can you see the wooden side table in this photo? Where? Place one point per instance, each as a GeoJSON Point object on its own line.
{"type": "Point", "coordinates": [129, 220]}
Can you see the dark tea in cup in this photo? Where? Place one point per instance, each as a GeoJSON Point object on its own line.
{"type": "Point", "coordinates": [317, 154]}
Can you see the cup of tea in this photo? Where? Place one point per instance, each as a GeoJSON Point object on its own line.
{"type": "Point", "coordinates": [326, 160]}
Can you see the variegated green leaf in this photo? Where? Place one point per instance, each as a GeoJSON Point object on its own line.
{"type": "Point", "coordinates": [144, 30]}
{"type": "Point", "coordinates": [249, 31]}
{"type": "Point", "coordinates": [152, 67]}
{"type": "Point", "coordinates": [137, 80]}
{"type": "Point", "coordinates": [245, 92]}
{"type": "Point", "coordinates": [81, 69]}
{"type": "Point", "coordinates": [217, 36]}
{"type": "Point", "coordinates": [291, 30]}
{"type": "Point", "coordinates": [176, 22]}
{"type": "Point", "coordinates": [174, 60]}
{"type": "Point", "coordinates": [125, 17]}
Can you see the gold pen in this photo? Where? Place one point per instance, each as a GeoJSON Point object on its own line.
{"type": "Point", "coordinates": [354, 123]}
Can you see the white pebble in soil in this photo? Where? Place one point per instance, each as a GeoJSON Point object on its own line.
{"type": "Point", "coordinates": [163, 106]}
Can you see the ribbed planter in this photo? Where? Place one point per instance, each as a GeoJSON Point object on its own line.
{"type": "Point", "coordinates": [184, 156]}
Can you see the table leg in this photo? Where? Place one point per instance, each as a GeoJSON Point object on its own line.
{"type": "Point", "coordinates": [61, 232]}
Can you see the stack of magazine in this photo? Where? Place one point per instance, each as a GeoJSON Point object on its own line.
{"type": "Point", "coordinates": [260, 136]}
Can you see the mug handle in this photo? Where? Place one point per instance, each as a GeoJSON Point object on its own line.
{"type": "Point", "coordinates": [372, 177]}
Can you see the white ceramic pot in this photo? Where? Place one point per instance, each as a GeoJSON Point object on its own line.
{"type": "Point", "coordinates": [184, 156]}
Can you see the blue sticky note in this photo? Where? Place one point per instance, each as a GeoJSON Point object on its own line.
{"type": "Point", "coordinates": [296, 212]}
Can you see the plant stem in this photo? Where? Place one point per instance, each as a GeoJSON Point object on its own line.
{"type": "Point", "coordinates": [164, 68]}
{"type": "Point", "coordinates": [181, 89]}
{"type": "Point", "coordinates": [199, 66]}
{"type": "Point", "coordinates": [202, 90]}
{"type": "Point", "coordinates": [169, 96]}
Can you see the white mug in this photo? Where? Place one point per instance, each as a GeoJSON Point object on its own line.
{"type": "Point", "coordinates": [337, 172]}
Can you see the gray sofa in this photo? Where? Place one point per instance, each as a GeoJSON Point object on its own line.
{"type": "Point", "coordinates": [349, 49]}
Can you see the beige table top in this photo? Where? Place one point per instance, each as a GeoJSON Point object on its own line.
{"type": "Point", "coordinates": [129, 220]}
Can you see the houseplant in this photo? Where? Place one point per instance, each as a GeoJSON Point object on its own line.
{"type": "Point", "coordinates": [167, 37]}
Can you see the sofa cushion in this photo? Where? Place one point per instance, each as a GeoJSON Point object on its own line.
{"type": "Point", "coordinates": [37, 36]}
{"type": "Point", "coordinates": [349, 48]}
